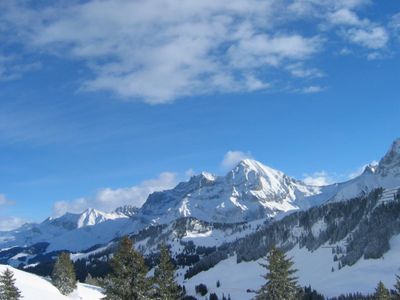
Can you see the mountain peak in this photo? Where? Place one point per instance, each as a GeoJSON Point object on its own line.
{"type": "Point", "coordinates": [247, 166]}
{"type": "Point", "coordinates": [390, 163]}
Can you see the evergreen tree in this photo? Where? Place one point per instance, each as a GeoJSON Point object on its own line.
{"type": "Point", "coordinates": [167, 288]}
{"type": "Point", "coordinates": [63, 275]}
{"type": "Point", "coordinates": [396, 292]}
{"type": "Point", "coordinates": [8, 290]}
{"type": "Point", "coordinates": [281, 284]}
{"type": "Point", "coordinates": [381, 292]}
{"type": "Point", "coordinates": [127, 280]}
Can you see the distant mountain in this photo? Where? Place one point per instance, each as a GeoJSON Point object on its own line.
{"type": "Point", "coordinates": [89, 217]}
{"type": "Point", "coordinates": [71, 231]}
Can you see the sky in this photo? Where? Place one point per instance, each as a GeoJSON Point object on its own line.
{"type": "Point", "coordinates": [104, 102]}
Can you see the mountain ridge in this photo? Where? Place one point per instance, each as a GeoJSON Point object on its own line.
{"type": "Point", "coordinates": [249, 192]}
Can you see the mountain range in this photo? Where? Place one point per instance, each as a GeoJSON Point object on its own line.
{"type": "Point", "coordinates": [212, 215]}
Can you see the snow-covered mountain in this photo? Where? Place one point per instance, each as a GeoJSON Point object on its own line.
{"type": "Point", "coordinates": [214, 214]}
{"type": "Point", "coordinates": [71, 231]}
{"type": "Point", "coordinates": [386, 175]}
{"type": "Point", "coordinates": [89, 217]}
{"type": "Point", "coordinates": [248, 192]}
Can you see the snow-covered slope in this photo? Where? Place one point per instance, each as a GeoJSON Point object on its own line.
{"type": "Point", "coordinates": [314, 268]}
{"type": "Point", "coordinates": [34, 287]}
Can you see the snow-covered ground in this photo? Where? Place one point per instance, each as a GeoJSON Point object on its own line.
{"type": "Point", "coordinates": [34, 287]}
{"type": "Point", "coordinates": [314, 268]}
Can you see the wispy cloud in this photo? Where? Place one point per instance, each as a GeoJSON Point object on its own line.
{"type": "Point", "coordinates": [232, 158]}
{"type": "Point", "coordinates": [319, 178]}
{"type": "Point", "coordinates": [375, 37]}
{"type": "Point", "coordinates": [5, 201]}
{"type": "Point", "coordinates": [108, 199]}
{"type": "Point", "coordinates": [10, 223]}
{"type": "Point", "coordinates": [7, 222]}
{"type": "Point", "coordinates": [158, 51]}
{"type": "Point", "coordinates": [11, 67]}
{"type": "Point", "coordinates": [312, 89]}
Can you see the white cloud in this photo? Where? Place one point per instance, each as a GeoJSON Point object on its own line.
{"type": "Point", "coordinates": [10, 223]}
{"type": "Point", "coordinates": [108, 199]}
{"type": "Point", "coordinates": [232, 158]}
{"type": "Point", "coordinates": [394, 25]}
{"type": "Point", "coordinates": [344, 17]}
{"type": "Point", "coordinates": [324, 178]}
{"type": "Point", "coordinates": [373, 38]}
{"type": "Point", "coordinates": [312, 89]}
{"type": "Point", "coordinates": [6, 222]}
{"type": "Point", "coordinates": [11, 67]}
{"type": "Point", "coordinates": [5, 201]}
{"type": "Point", "coordinates": [318, 178]}
{"type": "Point", "coordinates": [299, 70]}
{"type": "Point", "coordinates": [395, 22]}
{"type": "Point", "coordinates": [158, 51]}
{"type": "Point", "coordinates": [189, 173]}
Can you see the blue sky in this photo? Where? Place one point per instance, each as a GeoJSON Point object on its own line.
{"type": "Point", "coordinates": [103, 102]}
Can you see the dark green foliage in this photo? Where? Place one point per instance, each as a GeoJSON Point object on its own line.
{"type": "Point", "coordinates": [281, 284]}
{"type": "Point", "coordinates": [92, 280]}
{"type": "Point", "coordinates": [213, 296]}
{"type": "Point", "coordinates": [201, 289]}
{"type": "Point", "coordinates": [8, 290]}
{"type": "Point", "coordinates": [354, 296]}
{"type": "Point", "coordinates": [206, 263]}
{"type": "Point", "coordinates": [63, 275]}
{"type": "Point", "coordinates": [381, 292]}
{"type": "Point", "coordinates": [309, 294]}
{"type": "Point", "coordinates": [127, 280]}
{"type": "Point", "coordinates": [164, 275]}
{"type": "Point", "coordinates": [396, 291]}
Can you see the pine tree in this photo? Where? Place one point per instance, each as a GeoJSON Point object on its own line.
{"type": "Point", "coordinates": [127, 280]}
{"type": "Point", "coordinates": [381, 292]}
{"type": "Point", "coordinates": [63, 275]}
{"type": "Point", "coordinates": [8, 290]}
{"type": "Point", "coordinates": [281, 284]}
{"type": "Point", "coordinates": [396, 292]}
{"type": "Point", "coordinates": [164, 275]}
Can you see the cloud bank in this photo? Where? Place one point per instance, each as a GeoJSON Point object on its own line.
{"type": "Point", "coordinates": [159, 51]}
{"type": "Point", "coordinates": [108, 199]}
